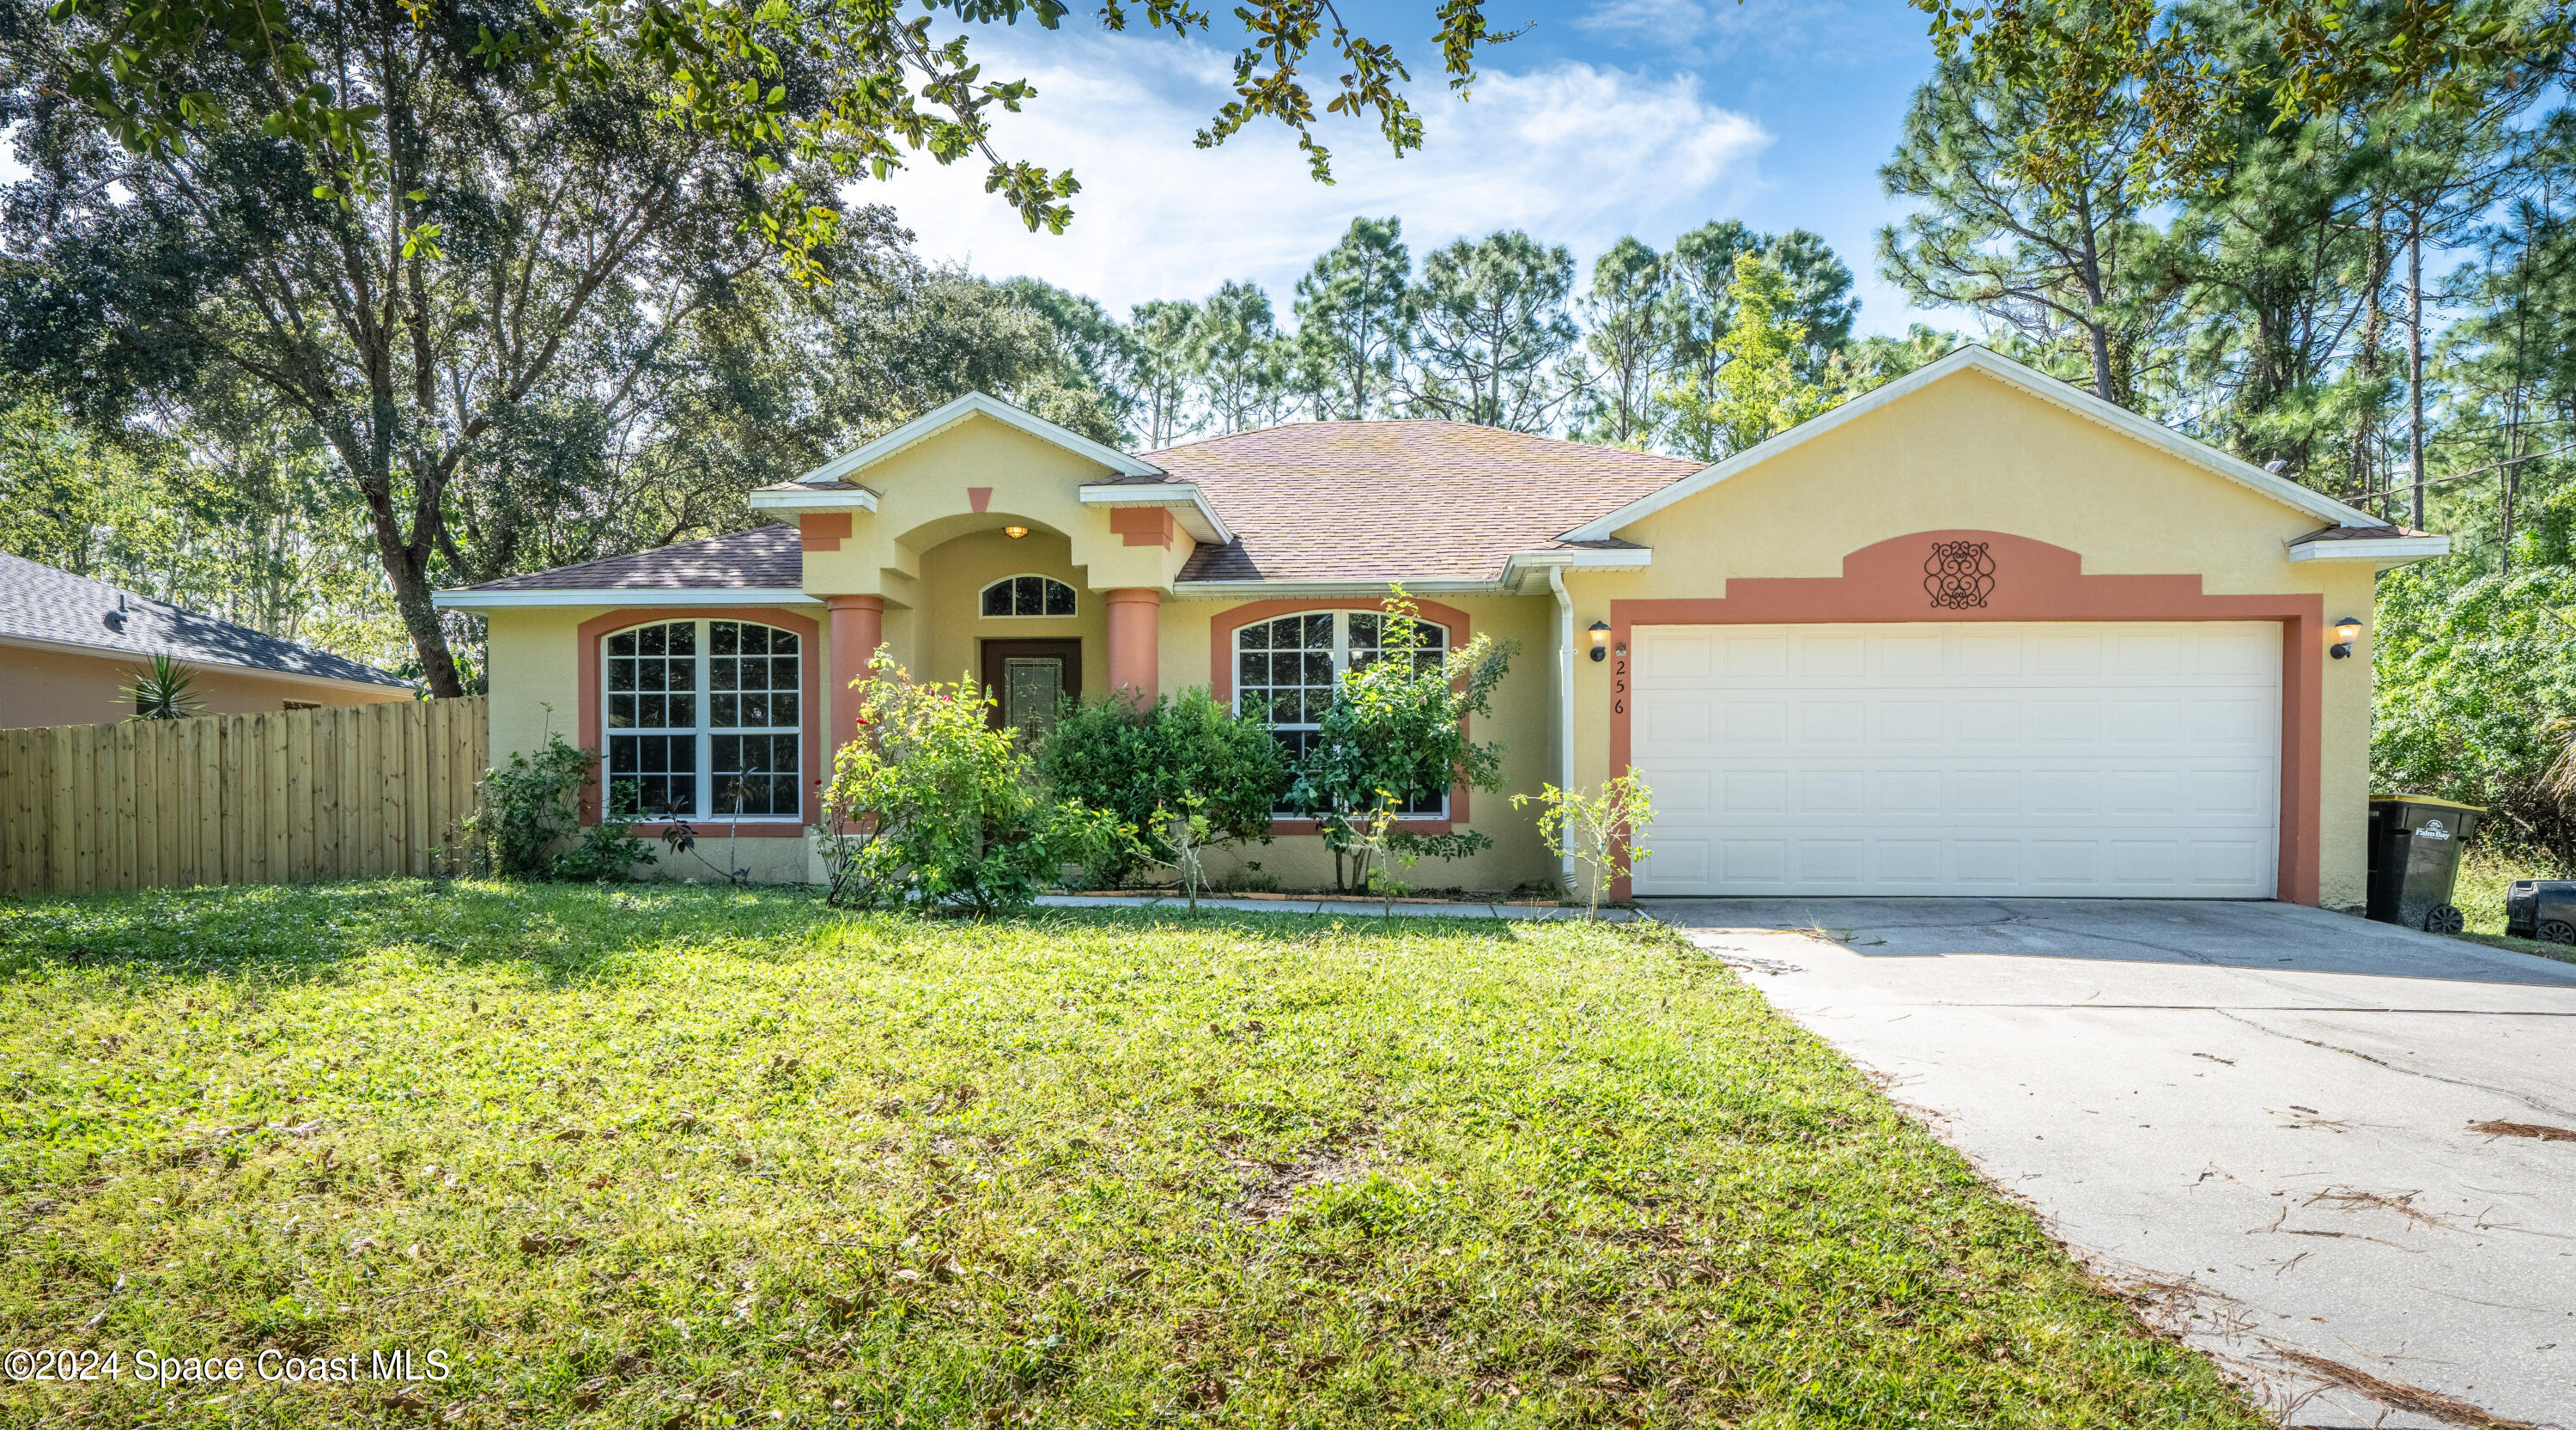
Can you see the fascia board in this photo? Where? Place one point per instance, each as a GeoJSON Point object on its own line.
{"type": "Point", "coordinates": [269, 672]}
{"type": "Point", "coordinates": [2394, 550]}
{"type": "Point", "coordinates": [1184, 500]}
{"type": "Point", "coordinates": [859, 499]}
{"type": "Point", "coordinates": [957, 410]}
{"type": "Point", "coordinates": [471, 600]}
{"type": "Point", "coordinates": [2038, 384]}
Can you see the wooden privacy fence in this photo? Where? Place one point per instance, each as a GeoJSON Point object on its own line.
{"type": "Point", "coordinates": [338, 793]}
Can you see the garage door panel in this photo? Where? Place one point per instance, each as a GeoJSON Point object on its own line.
{"type": "Point", "coordinates": [1757, 723]}
{"type": "Point", "coordinates": [1908, 792]}
{"type": "Point", "coordinates": [1680, 655]}
{"type": "Point", "coordinates": [1830, 655]}
{"type": "Point", "coordinates": [1757, 657]}
{"type": "Point", "coordinates": [2064, 759]}
{"type": "Point", "coordinates": [1832, 722]}
{"type": "Point", "coordinates": [1755, 792]}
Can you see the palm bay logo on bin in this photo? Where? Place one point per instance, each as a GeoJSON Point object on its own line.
{"type": "Point", "coordinates": [2432, 830]}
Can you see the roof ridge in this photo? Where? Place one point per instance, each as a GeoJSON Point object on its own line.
{"type": "Point", "coordinates": [1449, 423]}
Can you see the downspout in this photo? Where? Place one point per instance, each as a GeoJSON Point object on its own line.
{"type": "Point", "coordinates": [1565, 707]}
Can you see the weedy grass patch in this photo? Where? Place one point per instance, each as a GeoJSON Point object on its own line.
{"type": "Point", "coordinates": [672, 1157]}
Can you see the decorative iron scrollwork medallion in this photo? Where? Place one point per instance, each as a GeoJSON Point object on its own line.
{"type": "Point", "coordinates": [1959, 575]}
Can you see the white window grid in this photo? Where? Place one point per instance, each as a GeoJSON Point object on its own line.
{"type": "Point", "coordinates": [1027, 596]}
{"type": "Point", "coordinates": [703, 719]}
{"type": "Point", "coordinates": [1286, 667]}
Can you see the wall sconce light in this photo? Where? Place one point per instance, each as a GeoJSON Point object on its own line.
{"type": "Point", "coordinates": [1600, 633]}
{"type": "Point", "coordinates": [2347, 631]}
{"type": "Point", "coordinates": [1015, 532]}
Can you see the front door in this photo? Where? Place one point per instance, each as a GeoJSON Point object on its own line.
{"type": "Point", "coordinates": [1025, 679]}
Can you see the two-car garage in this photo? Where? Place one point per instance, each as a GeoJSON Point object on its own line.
{"type": "Point", "coordinates": [2079, 759]}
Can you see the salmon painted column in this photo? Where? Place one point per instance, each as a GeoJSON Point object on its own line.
{"type": "Point", "coordinates": [1135, 622]}
{"type": "Point", "coordinates": [858, 628]}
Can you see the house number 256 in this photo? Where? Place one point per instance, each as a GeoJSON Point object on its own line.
{"type": "Point", "coordinates": [1619, 686]}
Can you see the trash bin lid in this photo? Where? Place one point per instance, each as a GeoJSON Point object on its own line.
{"type": "Point", "coordinates": [2433, 801]}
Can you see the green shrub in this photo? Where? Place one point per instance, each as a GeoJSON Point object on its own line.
{"type": "Point", "coordinates": [931, 808]}
{"type": "Point", "coordinates": [2474, 682]}
{"type": "Point", "coordinates": [1397, 731]}
{"type": "Point", "coordinates": [1148, 765]}
{"type": "Point", "coordinates": [529, 823]}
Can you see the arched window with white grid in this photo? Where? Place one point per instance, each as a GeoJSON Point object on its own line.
{"type": "Point", "coordinates": [705, 720]}
{"type": "Point", "coordinates": [1286, 668]}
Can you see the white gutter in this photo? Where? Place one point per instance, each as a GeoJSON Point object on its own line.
{"type": "Point", "coordinates": [1565, 707]}
{"type": "Point", "coordinates": [2388, 550]}
{"type": "Point", "coordinates": [1187, 504]}
{"type": "Point", "coordinates": [473, 600]}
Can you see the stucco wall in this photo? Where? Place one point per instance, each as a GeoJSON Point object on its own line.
{"type": "Point", "coordinates": [926, 498]}
{"type": "Point", "coordinates": [48, 687]}
{"type": "Point", "coordinates": [1971, 452]}
{"type": "Point", "coordinates": [949, 626]}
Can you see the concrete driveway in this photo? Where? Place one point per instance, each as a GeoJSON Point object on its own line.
{"type": "Point", "coordinates": [2258, 1116]}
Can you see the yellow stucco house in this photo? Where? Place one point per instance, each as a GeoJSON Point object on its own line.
{"type": "Point", "coordinates": [1974, 633]}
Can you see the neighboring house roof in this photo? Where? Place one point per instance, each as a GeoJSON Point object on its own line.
{"type": "Point", "coordinates": [1399, 500]}
{"type": "Point", "coordinates": [766, 561]}
{"type": "Point", "coordinates": [41, 605]}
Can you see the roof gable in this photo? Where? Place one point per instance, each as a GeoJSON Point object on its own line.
{"type": "Point", "coordinates": [2028, 380]}
{"type": "Point", "coordinates": [848, 465]}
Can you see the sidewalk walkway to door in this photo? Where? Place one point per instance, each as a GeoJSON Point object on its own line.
{"type": "Point", "coordinates": [1363, 908]}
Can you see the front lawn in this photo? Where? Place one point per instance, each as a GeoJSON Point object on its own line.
{"type": "Point", "coordinates": [671, 1157]}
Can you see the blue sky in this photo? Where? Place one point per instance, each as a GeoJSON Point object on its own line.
{"type": "Point", "coordinates": [1609, 117]}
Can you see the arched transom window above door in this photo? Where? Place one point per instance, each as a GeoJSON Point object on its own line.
{"type": "Point", "coordinates": [704, 720]}
{"type": "Point", "coordinates": [1285, 668]}
{"type": "Point", "coordinates": [1028, 596]}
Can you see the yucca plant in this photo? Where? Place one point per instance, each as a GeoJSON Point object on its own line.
{"type": "Point", "coordinates": [165, 691]}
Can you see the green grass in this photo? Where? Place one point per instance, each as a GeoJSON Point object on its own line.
{"type": "Point", "coordinates": [671, 1157]}
{"type": "Point", "coordinates": [2479, 894]}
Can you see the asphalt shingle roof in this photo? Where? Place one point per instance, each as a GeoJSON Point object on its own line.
{"type": "Point", "coordinates": [1399, 500]}
{"type": "Point", "coordinates": [1405, 500]}
{"type": "Point", "coordinates": [39, 602]}
{"type": "Point", "coordinates": [763, 558]}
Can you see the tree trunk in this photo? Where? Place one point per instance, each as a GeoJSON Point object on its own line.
{"type": "Point", "coordinates": [2415, 360]}
{"type": "Point", "coordinates": [2513, 419]}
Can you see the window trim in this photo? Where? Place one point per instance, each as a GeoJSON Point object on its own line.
{"type": "Point", "coordinates": [1221, 668]}
{"type": "Point", "coordinates": [590, 641]}
{"type": "Point", "coordinates": [983, 590]}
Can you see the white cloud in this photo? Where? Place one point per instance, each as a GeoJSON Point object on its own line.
{"type": "Point", "coordinates": [1574, 153]}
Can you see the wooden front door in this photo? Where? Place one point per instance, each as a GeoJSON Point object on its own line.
{"type": "Point", "coordinates": [1025, 679]}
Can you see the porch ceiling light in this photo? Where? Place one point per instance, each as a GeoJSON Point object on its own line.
{"type": "Point", "coordinates": [1015, 532]}
{"type": "Point", "coordinates": [1600, 633]}
{"type": "Point", "coordinates": [2347, 631]}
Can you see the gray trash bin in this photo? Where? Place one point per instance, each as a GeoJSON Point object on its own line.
{"type": "Point", "coordinates": [2543, 909]}
{"type": "Point", "coordinates": [2415, 847]}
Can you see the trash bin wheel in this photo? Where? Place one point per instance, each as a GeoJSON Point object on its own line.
{"type": "Point", "coordinates": [2556, 931]}
{"type": "Point", "coordinates": [2444, 919]}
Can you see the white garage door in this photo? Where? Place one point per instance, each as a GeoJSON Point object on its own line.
{"type": "Point", "coordinates": [2045, 759]}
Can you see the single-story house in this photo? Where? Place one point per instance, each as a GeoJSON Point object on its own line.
{"type": "Point", "coordinates": [1976, 632]}
{"type": "Point", "coordinates": [70, 647]}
